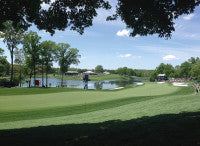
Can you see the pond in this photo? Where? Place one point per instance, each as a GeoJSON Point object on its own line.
{"type": "Point", "coordinates": [106, 84]}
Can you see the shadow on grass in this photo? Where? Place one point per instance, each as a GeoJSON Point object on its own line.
{"type": "Point", "coordinates": [167, 129]}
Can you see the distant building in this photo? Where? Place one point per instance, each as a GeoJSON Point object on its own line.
{"type": "Point", "coordinates": [162, 77]}
{"type": "Point", "coordinates": [71, 73]}
{"type": "Point", "coordinates": [89, 73]}
{"type": "Point", "coordinates": [106, 73]}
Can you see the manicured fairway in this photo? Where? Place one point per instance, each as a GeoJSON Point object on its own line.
{"type": "Point", "coordinates": [72, 109]}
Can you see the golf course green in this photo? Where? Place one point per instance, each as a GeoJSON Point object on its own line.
{"type": "Point", "coordinates": [149, 114]}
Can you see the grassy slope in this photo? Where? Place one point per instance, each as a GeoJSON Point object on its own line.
{"type": "Point", "coordinates": [146, 115]}
{"type": "Point", "coordinates": [19, 102]}
{"type": "Point", "coordinates": [94, 106]}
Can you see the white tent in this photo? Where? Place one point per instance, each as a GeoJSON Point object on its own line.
{"type": "Point", "coordinates": [89, 73]}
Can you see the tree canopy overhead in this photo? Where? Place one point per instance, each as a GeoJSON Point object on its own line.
{"type": "Point", "coordinates": [76, 14]}
{"type": "Point", "coordinates": [147, 17]}
{"type": "Point", "coordinates": [143, 17]}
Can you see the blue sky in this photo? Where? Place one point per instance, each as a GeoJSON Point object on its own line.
{"type": "Point", "coordinates": [108, 44]}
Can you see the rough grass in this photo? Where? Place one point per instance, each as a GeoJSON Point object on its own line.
{"type": "Point", "coordinates": [146, 115]}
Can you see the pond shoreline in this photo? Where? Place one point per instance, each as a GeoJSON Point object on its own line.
{"type": "Point", "coordinates": [98, 85]}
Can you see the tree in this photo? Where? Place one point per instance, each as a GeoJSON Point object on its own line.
{"type": "Point", "coordinates": [99, 69]}
{"type": "Point", "coordinates": [28, 68]}
{"type": "Point", "coordinates": [154, 75]}
{"type": "Point", "coordinates": [160, 69]}
{"type": "Point", "coordinates": [12, 37]}
{"type": "Point", "coordinates": [76, 14]}
{"type": "Point", "coordinates": [148, 17]}
{"type": "Point", "coordinates": [1, 51]}
{"type": "Point", "coordinates": [143, 17]}
{"type": "Point", "coordinates": [47, 56]}
{"type": "Point", "coordinates": [167, 69]}
{"type": "Point", "coordinates": [65, 57]}
{"type": "Point", "coordinates": [121, 71]}
{"type": "Point", "coordinates": [130, 72]}
{"type": "Point", "coordinates": [4, 64]}
{"type": "Point", "coordinates": [177, 71]}
{"type": "Point", "coordinates": [193, 60]}
{"type": "Point", "coordinates": [185, 69]}
{"type": "Point", "coordinates": [19, 60]}
{"type": "Point", "coordinates": [195, 71]}
{"type": "Point", "coordinates": [125, 71]}
{"type": "Point", "coordinates": [31, 46]}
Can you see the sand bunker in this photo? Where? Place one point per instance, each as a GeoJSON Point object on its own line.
{"type": "Point", "coordinates": [117, 88]}
{"type": "Point", "coordinates": [139, 83]}
{"type": "Point", "coordinates": [160, 82]}
{"type": "Point", "coordinates": [180, 84]}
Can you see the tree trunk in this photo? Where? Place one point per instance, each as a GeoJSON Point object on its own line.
{"type": "Point", "coordinates": [20, 80]}
{"type": "Point", "coordinates": [30, 79]}
{"type": "Point", "coordinates": [34, 75]}
{"type": "Point", "coordinates": [11, 78]}
{"type": "Point", "coordinates": [42, 75]}
{"type": "Point", "coordinates": [62, 80]}
{"type": "Point", "coordinates": [46, 77]}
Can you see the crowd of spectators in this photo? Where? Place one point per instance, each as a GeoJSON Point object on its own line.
{"type": "Point", "coordinates": [180, 79]}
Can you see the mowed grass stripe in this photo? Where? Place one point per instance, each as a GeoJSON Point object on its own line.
{"type": "Point", "coordinates": [63, 99]}
{"type": "Point", "coordinates": [31, 91]}
{"type": "Point", "coordinates": [78, 109]}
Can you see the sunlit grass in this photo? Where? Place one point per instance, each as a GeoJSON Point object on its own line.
{"type": "Point", "coordinates": [77, 106]}
{"type": "Point", "coordinates": [144, 115]}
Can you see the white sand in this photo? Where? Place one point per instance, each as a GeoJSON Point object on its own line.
{"type": "Point", "coordinates": [139, 83]}
{"type": "Point", "coordinates": [117, 88]}
{"type": "Point", "coordinates": [160, 82]}
{"type": "Point", "coordinates": [180, 84]}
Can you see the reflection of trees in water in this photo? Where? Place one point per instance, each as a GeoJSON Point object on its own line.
{"type": "Point", "coordinates": [98, 85]}
{"type": "Point", "coordinates": [121, 83]}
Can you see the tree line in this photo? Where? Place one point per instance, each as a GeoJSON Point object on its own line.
{"type": "Point", "coordinates": [34, 54]}
{"type": "Point", "coordinates": [123, 71]}
{"type": "Point", "coordinates": [188, 69]}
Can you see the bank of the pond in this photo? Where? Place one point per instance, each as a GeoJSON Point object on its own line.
{"type": "Point", "coordinates": [97, 85]}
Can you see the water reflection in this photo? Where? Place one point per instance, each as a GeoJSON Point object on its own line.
{"type": "Point", "coordinates": [86, 85]}
{"type": "Point", "coordinates": [99, 85]}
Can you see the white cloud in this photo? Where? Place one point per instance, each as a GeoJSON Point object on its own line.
{"type": "Point", "coordinates": [124, 56]}
{"type": "Point", "coordinates": [129, 56]}
{"type": "Point", "coordinates": [123, 32]}
{"type": "Point", "coordinates": [188, 17]}
{"type": "Point", "coordinates": [169, 57]}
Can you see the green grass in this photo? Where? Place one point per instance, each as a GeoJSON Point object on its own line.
{"type": "Point", "coordinates": [31, 91]}
{"type": "Point", "coordinates": [78, 109]}
{"type": "Point", "coordinates": [152, 114]}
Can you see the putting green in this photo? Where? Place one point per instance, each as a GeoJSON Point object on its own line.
{"type": "Point", "coordinates": [19, 111]}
